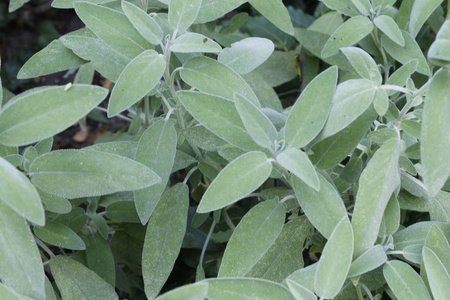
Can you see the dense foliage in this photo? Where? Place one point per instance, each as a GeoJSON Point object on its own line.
{"type": "Point", "coordinates": [223, 186]}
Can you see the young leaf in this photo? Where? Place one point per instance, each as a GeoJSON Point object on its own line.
{"type": "Point", "coordinates": [275, 12]}
{"type": "Point", "coordinates": [75, 281]}
{"type": "Point", "coordinates": [19, 194]}
{"type": "Point", "coordinates": [363, 63]}
{"type": "Point", "coordinates": [438, 275]}
{"type": "Point", "coordinates": [53, 110]}
{"type": "Point", "coordinates": [214, 9]}
{"type": "Point", "coordinates": [84, 173]}
{"type": "Point", "coordinates": [377, 183]}
{"type": "Point", "coordinates": [420, 12]}
{"type": "Point", "coordinates": [210, 76]}
{"type": "Point", "coordinates": [183, 13]}
{"type": "Point", "coordinates": [138, 78]}
{"type": "Point", "coordinates": [364, 6]}
{"type": "Point", "coordinates": [100, 258]}
{"type": "Point", "coordinates": [59, 235]}
{"type": "Point", "coordinates": [368, 261]}
{"type": "Point", "coordinates": [335, 261]}
{"type": "Point", "coordinates": [299, 291]}
{"type": "Point", "coordinates": [163, 239]}
{"type": "Point", "coordinates": [258, 126]}
{"type": "Point", "coordinates": [144, 23]}
{"type": "Point", "coordinates": [266, 95]}
{"type": "Point", "coordinates": [106, 60]}
{"type": "Point", "coordinates": [246, 288]}
{"type": "Point", "coordinates": [54, 203]}
{"type": "Point", "coordinates": [283, 257]}
{"type": "Point", "coordinates": [53, 58]}
{"type": "Point", "coordinates": [246, 55]}
{"type": "Point", "coordinates": [193, 42]}
{"type": "Point", "coordinates": [317, 204]}
{"type": "Point", "coordinates": [408, 52]}
{"type": "Point", "coordinates": [245, 174]}
{"type": "Point", "coordinates": [156, 149]}
{"type": "Point", "coordinates": [401, 75]}
{"type": "Point", "coordinates": [195, 291]}
{"type": "Point", "coordinates": [349, 33]}
{"type": "Point", "coordinates": [219, 116]}
{"type": "Point", "coordinates": [298, 163]}
{"type": "Point", "coordinates": [351, 100]}
{"type": "Point", "coordinates": [435, 154]}
{"type": "Point", "coordinates": [388, 26]}
{"type": "Point", "coordinates": [20, 263]}
{"type": "Point", "coordinates": [113, 27]}
{"type": "Point", "coordinates": [381, 102]}
{"type": "Point", "coordinates": [309, 113]}
{"type": "Point", "coordinates": [437, 54]}
{"type": "Point", "coordinates": [404, 282]}
{"type": "Point", "coordinates": [253, 236]}
{"type": "Point", "coordinates": [332, 150]}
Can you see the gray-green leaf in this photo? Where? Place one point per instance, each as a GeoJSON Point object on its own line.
{"type": "Point", "coordinates": [275, 12]}
{"type": "Point", "coordinates": [138, 78]}
{"type": "Point", "coordinates": [363, 64]}
{"type": "Point", "coordinates": [388, 26]}
{"type": "Point", "coordinates": [254, 235]}
{"type": "Point", "coordinates": [75, 281]}
{"type": "Point", "coordinates": [54, 109]}
{"type": "Point", "coordinates": [194, 42]}
{"type": "Point", "coordinates": [368, 261]}
{"type": "Point", "coordinates": [195, 291]}
{"type": "Point", "coordinates": [100, 258]}
{"type": "Point", "coordinates": [163, 239]}
{"type": "Point", "coordinates": [244, 174]}
{"type": "Point", "coordinates": [18, 193]}
{"type": "Point", "coordinates": [435, 142]}
{"type": "Point", "coordinates": [183, 13]}
{"type": "Point", "coordinates": [438, 276]}
{"type": "Point", "coordinates": [335, 261]}
{"type": "Point", "coordinates": [84, 173]}
{"type": "Point", "coordinates": [309, 113]}
{"type": "Point", "coordinates": [420, 12]}
{"type": "Point", "coordinates": [144, 23]}
{"type": "Point", "coordinates": [59, 235]}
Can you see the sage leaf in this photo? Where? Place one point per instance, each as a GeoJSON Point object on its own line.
{"type": "Point", "coordinates": [298, 163]}
{"type": "Point", "coordinates": [59, 235]}
{"type": "Point", "coordinates": [417, 234]}
{"type": "Point", "coordinates": [210, 76]}
{"type": "Point", "coordinates": [156, 149]}
{"type": "Point", "coordinates": [138, 78]}
{"type": "Point", "coordinates": [317, 204]}
{"type": "Point", "coordinates": [408, 52]}
{"type": "Point", "coordinates": [437, 54]}
{"type": "Point", "coordinates": [437, 242]}
{"type": "Point", "coordinates": [335, 261]}
{"type": "Point", "coordinates": [279, 68]}
{"type": "Point", "coordinates": [123, 211]}
{"type": "Point", "coordinates": [363, 64]}
{"type": "Point", "coordinates": [246, 55]}
{"type": "Point", "coordinates": [420, 12]}
{"type": "Point", "coordinates": [330, 151]}
{"type": "Point", "coordinates": [275, 12]}
{"type": "Point", "coordinates": [219, 116]}
{"type": "Point", "coordinates": [122, 148]}
{"type": "Point", "coordinates": [85, 173]}
{"type": "Point", "coordinates": [75, 281]}
{"type": "Point", "coordinates": [364, 6]}
{"type": "Point", "coordinates": [106, 60]}
{"type": "Point", "coordinates": [265, 94]}
{"type": "Point", "coordinates": [435, 142]}
{"type": "Point", "coordinates": [245, 174]}
{"type": "Point", "coordinates": [16, 4]}
{"type": "Point", "coordinates": [144, 23]}
{"type": "Point", "coordinates": [368, 261]}
{"type": "Point", "coordinates": [377, 183]}
{"type": "Point", "coordinates": [305, 276]}
{"type": "Point", "coordinates": [349, 33]}
{"type": "Point", "coordinates": [213, 9]}
{"type": "Point", "coordinates": [256, 123]}
{"type": "Point", "coordinates": [388, 26]}
{"type": "Point", "coordinates": [163, 238]}
{"type": "Point", "coordinates": [53, 110]}
{"type": "Point", "coordinates": [299, 291]}
{"type": "Point", "coordinates": [54, 203]}
{"type": "Point", "coordinates": [283, 257]}
{"type": "Point", "coordinates": [19, 194]}
{"type": "Point", "coordinates": [194, 42]}
{"type": "Point", "coordinates": [7, 292]}
{"type": "Point", "coordinates": [346, 7]}
{"type": "Point", "coordinates": [69, 3]}
{"type": "Point", "coordinates": [404, 282]}
{"type": "Point", "coordinates": [20, 263]}
{"type": "Point", "coordinates": [439, 207]}
{"type": "Point", "coordinates": [53, 58]}
{"type": "Point", "coordinates": [309, 113]}
{"type": "Point", "coordinates": [100, 258]}
{"type": "Point", "coordinates": [254, 235]}
{"type": "Point", "coordinates": [246, 288]}
{"type": "Point", "coordinates": [438, 275]}
{"type": "Point", "coordinates": [195, 291]}
{"type": "Point", "coordinates": [401, 75]}
{"type": "Point", "coordinates": [113, 27]}
{"type": "Point", "coordinates": [351, 100]}
{"type": "Point", "coordinates": [183, 13]}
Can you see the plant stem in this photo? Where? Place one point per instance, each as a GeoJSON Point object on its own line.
{"type": "Point", "coordinates": [205, 245]}
{"type": "Point", "coordinates": [147, 111]}
{"type": "Point", "coordinates": [397, 88]}
{"type": "Point", "coordinates": [359, 292]}
{"type": "Point", "coordinates": [383, 54]}
{"type": "Point", "coordinates": [118, 116]}
{"type": "Point", "coordinates": [227, 219]}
